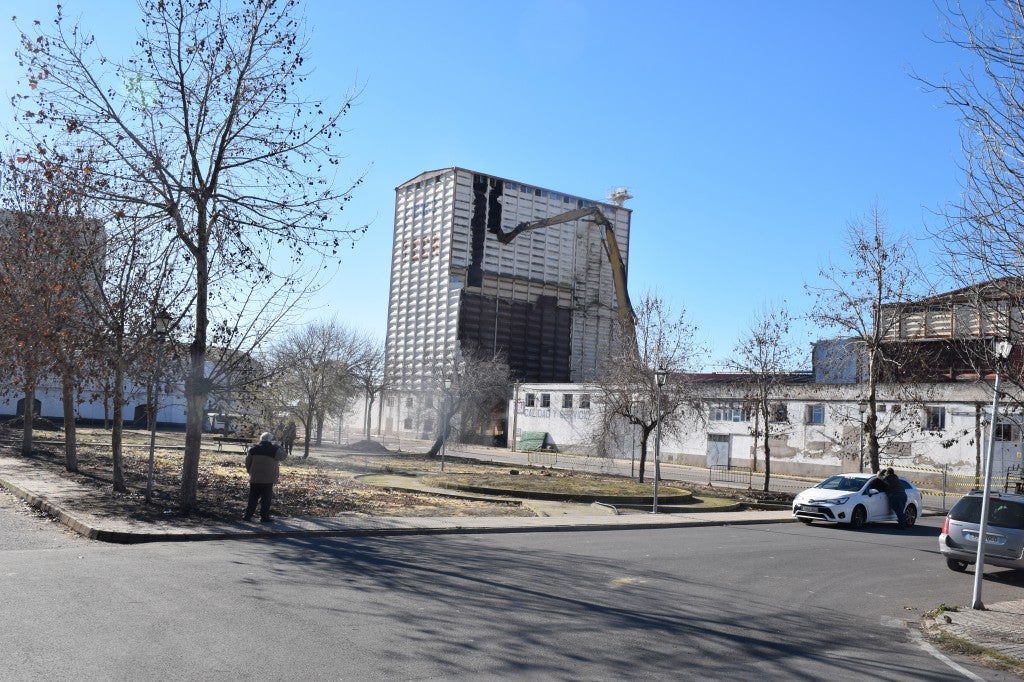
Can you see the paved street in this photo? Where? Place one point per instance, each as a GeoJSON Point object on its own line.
{"type": "Point", "coordinates": [778, 601]}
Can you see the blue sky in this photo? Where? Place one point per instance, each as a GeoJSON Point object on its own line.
{"type": "Point", "coordinates": [750, 133]}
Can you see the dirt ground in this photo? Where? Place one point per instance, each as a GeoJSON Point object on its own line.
{"type": "Point", "coordinates": [324, 485]}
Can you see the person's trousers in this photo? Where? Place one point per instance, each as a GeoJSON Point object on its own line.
{"type": "Point", "coordinates": [898, 502]}
{"type": "Point", "coordinates": [262, 493]}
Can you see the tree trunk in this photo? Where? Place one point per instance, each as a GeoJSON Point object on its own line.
{"type": "Point", "coordinates": [368, 420]}
{"type": "Point", "coordinates": [117, 432]}
{"type": "Point", "coordinates": [644, 435]}
{"type": "Point", "coordinates": [195, 402]}
{"type": "Point", "coordinates": [70, 437]}
{"type": "Point", "coordinates": [767, 449]}
{"type": "Point", "coordinates": [307, 431]}
{"type": "Point", "coordinates": [757, 434]}
{"type": "Point", "coordinates": [29, 416]}
{"type": "Point", "coordinates": [977, 444]}
{"type": "Point", "coordinates": [196, 386]}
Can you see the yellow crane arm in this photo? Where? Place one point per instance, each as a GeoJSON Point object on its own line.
{"type": "Point", "coordinates": [625, 307]}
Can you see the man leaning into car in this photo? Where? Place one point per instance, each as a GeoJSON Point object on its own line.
{"type": "Point", "coordinates": [897, 495]}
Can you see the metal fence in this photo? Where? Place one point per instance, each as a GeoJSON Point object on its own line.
{"type": "Point", "coordinates": [726, 473]}
{"type": "Point", "coordinates": [941, 487]}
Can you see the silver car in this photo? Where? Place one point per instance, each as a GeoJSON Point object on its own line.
{"type": "Point", "coordinates": [1004, 537]}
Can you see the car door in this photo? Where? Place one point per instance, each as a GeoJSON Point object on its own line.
{"type": "Point", "coordinates": [877, 504]}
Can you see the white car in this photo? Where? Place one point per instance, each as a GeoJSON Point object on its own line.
{"type": "Point", "coordinates": [847, 498]}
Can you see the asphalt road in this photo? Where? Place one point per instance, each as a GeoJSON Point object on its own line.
{"type": "Point", "coordinates": [784, 601]}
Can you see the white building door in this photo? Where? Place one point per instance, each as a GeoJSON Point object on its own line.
{"type": "Point", "coordinates": [718, 449]}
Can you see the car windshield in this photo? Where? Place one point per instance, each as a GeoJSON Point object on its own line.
{"type": "Point", "coordinates": [1002, 513]}
{"type": "Point", "coordinates": [847, 483]}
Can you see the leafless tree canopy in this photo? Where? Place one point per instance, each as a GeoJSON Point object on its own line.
{"type": "Point", "coordinates": [471, 388]}
{"type": "Point", "coordinates": [664, 339]}
{"type": "Point", "coordinates": [766, 355]}
{"type": "Point", "coordinates": [314, 373]}
{"type": "Point", "coordinates": [984, 236]}
{"type": "Point", "coordinates": [880, 272]}
{"type": "Point", "coordinates": [203, 132]}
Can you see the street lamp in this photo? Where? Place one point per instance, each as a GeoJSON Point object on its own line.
{"type": "Point", "coordinates": [1001, 349]}
{"type": "Point", "coordinates": [161, 323]}
{"type": "Point", "coordinates": [660, 375]}
{"type": "Point", "coordinates": [863, 407]}
{"type": "Point", "coordinates": [447, 419]}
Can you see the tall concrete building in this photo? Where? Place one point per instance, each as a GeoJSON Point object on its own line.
{"type": "Point", "coordinates": [547, 298]}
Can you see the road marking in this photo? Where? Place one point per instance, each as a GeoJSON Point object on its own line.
{"type": "Point", "coordinates": [916, 635]}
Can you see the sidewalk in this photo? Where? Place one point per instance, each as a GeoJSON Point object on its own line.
{"type": "Point", "coordinates": [999, 628]}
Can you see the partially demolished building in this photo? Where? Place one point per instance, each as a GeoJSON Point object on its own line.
{"type": "Point", "coordinates": [546, 299]}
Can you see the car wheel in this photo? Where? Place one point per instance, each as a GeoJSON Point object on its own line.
{"type": "Point", "coordinates": [957, 565]}
{"type": "Point", "coordinates": [859, 517]}
{"type": "Point", "coordinates": [910, 516]}
{"type": "Point", "coordinates": [807, 521]}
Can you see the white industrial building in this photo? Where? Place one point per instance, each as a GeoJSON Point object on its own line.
{"type": "Point", "coordinates": [818, 428]}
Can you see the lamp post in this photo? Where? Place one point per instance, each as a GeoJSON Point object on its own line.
{"type": "Point", "coordinates": [1001, 349]}
{"type": "Point", "coordinates": [161, 323]}
{"type": "Point", "coordinates": [447, 419]}
{"type": "Point", "coordinates": [660, 375]}
{"type": "Point", "coordinates": [863, 407]}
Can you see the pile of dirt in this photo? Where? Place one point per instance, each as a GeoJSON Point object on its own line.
{"type": "Point", "coordinates": [367, 446]}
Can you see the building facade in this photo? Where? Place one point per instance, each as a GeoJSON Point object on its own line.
{"type": "Point", "coordinates": [816, 429]}
{"type": "Point", "coordinates": [546, 300]}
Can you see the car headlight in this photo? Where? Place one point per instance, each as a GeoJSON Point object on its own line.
{"type": "Point", "coordinates": [839, 500]}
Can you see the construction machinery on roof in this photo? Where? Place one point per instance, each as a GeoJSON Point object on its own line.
{"type": "Point", "coordinates": [625, 309]}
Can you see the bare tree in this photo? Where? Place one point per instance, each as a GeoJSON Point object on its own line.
{"type": "Point", "coordinates": [129, 283]}
{"type": "Point", "coordinates": [664, 339]}
{"type": "Point", "coordinates": [46, 244]}
{"type": "Point", "coordinates": [369, 375]}
{"type": "Point", "coordinates": [312, 369]}
{"type": "Point", "coordinates": [470, 388]}
{"type": "Point", "coordinates": [983, 236]}
{"type": "Point", "coordinates": [201, 131]}
{"type": "Point", "coordinates": [880, 271]}
{"type": "Point", "coordinates": [767, 356]}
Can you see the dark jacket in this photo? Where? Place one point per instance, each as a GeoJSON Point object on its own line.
{"type": "Point", "coordinates": [262, 462]}
{"type": "Point", "coordinates": [895, 485]}
{"type": "Point", "coordinates": [879, 483]}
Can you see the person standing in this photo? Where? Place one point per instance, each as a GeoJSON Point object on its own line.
{"type": "Point", "coordinates": [262, 463]}
{"type": "Point", "coordinates": [288, 438]}
{"type": "Point", "coordinates": [897, 495]}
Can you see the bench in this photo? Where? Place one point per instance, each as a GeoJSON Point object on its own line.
{"type": "Point", "coordinates": [221, 440]}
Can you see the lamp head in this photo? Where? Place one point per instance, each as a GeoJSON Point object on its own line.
{"type": "Point", "coordinates": [661, 375]}
{"type": "Point", "coordinates": [162, 322]}
{"type": "Point", "coordinates": [1002, 349]}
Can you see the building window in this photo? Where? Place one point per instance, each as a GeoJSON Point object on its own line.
{"type": "Point", "coordinates": [531, 400]}
{"type": "Point", "coordinates": [391, 401]}
{"type": "Point", "coordinates": [428, 426]}
{"type": "Point", "coordinates": [779, 412]}
{"type": "Point", "coordinates": [1004, 432]}
{"type": "Point", "coordinates": [585, 401]}
{"type": "Point", "coordinates": [730, 413]}
{"type": "Point", "coordinates": [408, 402]}
{"type": "Point", "coordinates": [815, 414]}
{"type": "Point", "coordinates": [545, 400]}
{"type": "Point", "coordinates": [430, 402]}
{"type": "Point", "coordinates": [567, 401]}
{"type": "Point", "coordinates": [408, 423]}
{"type": "Point", "coordinates": [935, 418]}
